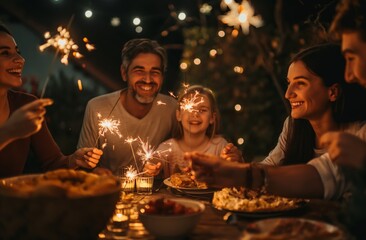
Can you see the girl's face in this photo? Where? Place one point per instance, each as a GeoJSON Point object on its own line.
{"type": "Point", "coordinates": [11, 62]}
{"type": "Point", "coordinates": [309, 98]}
{"type": "Point", "coordinates": [199, 118]}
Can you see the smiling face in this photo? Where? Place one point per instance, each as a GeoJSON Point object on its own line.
{"type": "Point", "coordinates": [354, 51]}
{"type": "Point", "coordinates": [309, 98]}
{"type": "Point", "coordinates": [199, 118]}
{"type": "Point", "coordinates": [144, 77]}
{"type": "Point", "coordinates": [11, 62]}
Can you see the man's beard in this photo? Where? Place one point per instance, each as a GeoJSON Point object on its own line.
{"type": "Point", "coordinates": [142, 99]}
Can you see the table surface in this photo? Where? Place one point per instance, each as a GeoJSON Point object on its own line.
{"type": "Point", "coordinates": [213, 226]}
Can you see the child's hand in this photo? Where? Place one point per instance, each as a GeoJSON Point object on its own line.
{"type": "Point", "coordinates": [231, 153]}
{"type": "Point", "coordinates": [152, 169]}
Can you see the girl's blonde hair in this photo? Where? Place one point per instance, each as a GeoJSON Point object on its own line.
{"type": "Point", "coordinates": [213, 128]}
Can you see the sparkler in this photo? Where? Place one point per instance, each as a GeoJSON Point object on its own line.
{"type": "Point", "coordinates": [240, 15]}
{"type": "Point", "coordinates": [130, 140]}
{"type": "Point", "coordinates": [107, 125]}
{"type": "Point", "coordinates": [131, 173]}
{"type": "Point", "coordinates": [65, 45]}
{"type": "Point", "coordinates": [161, 103]}
{"type": "Point", "coordinates": [147, 152]}
{"type": "Point", "coordinates": [189, 103]}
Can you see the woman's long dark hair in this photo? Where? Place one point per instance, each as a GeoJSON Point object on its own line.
{"type": "Point", "coordinates": [325, 61]}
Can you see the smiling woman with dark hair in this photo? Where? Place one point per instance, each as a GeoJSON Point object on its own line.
{"type": "Point", "coordinates": [21, 121]}
{"type": "Point", "coordinates": [320, 101]}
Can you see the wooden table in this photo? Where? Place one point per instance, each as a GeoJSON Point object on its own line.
{"type": "Point", "coordinates": [213, 226]}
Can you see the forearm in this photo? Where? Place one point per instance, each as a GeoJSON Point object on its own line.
{"type": "Point", "coordinates": [294, 181]}
{"type": "Point", "coordinates": [6, 136]}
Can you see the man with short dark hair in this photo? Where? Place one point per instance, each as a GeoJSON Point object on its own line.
{"type": "Point", "coordinates": [142, 111]}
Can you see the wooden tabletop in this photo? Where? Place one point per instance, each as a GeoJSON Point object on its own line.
{"type": "Point", "coordinates": [216, 224]}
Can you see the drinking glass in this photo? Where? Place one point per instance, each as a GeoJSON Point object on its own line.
{"type": "Point", "coordinates": [144, 184]}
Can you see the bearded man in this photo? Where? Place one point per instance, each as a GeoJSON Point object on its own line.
{"type": "Point", "coordinates": [144, 115]}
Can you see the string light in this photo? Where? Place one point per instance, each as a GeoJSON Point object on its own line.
{"type": "Point", "coordinates": [221, 33]}
{"type": "Point", "coordinates": [88, 13]}
{"type": "Point", "coordinates": [205, 8]}
{"type": "Point", "coordinates": [182, 16]}
{"type": "Point", "coordinates": [136, 21]}
{"type": "Point", "coordinates": [183, 66]}
{"type": "Point", "coordinates": [237, 107]}
{"type": "Point", "coordinates": [213, 52]}
{"type": "Point", "coordinates": [240, 141]}
{"type": "Point", "coordinates": [138, 29]}
{"type": "Point", "coordinates": [197, 61]}
{"type": "Point", "coordinates": [115, 21]}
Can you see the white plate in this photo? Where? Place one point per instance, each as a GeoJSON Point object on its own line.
{"type": "Point", "coordinates": [291, 229]}
{"type": "Point", "coordinates": [265, 213]}
{"type": "Point", "coordinates": [188, 190]}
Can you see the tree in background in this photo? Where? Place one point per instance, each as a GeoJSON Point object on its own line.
{"type": "Point", "coordinates": [248, 71]}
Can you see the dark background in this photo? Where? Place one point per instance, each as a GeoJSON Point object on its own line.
{"type": "Point", "coordinates": [289, 25]}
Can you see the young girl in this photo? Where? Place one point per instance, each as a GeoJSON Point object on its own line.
{"type": "Point", "coordinates": [198, 118]}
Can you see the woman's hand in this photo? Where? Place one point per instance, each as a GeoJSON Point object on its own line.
{"type": "Point", "coordinates": [27, 120]}
{"type": "Point", "coordinates": [231, 153]}
{"type": "Point", "coordinates": [24, 122]}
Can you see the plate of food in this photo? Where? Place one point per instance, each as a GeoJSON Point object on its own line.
{"type": "Point", "coordinates": [291, 229]}
{"type": "Point", "coordinates": [184, 182]}
{"type": "Point", "coordinates": [250, 203]}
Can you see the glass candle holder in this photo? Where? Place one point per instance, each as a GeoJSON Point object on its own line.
{"type": "Point", "coordinates": [127, 184]}
{"type": "Point", "coordinates": [144, 185]}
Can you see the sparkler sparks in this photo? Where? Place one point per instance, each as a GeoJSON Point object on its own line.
{"type": "Point", "coordinates": [108, 125]}
{"type": "Point", "coordinates": [131, 173]}
{"type": "Point", "coordinates": [148, 153]}
{"type": "Point", "coordinates": [63, 43]}
{"type": "Point", "coordinates": [161, 103]}
{"type": "Point", "coordinates": [240, 15]}
{"type": "Point", "coordinates": [188, 103]}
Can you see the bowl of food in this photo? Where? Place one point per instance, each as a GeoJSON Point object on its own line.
{"type": "Point", "coordinates": [60, 204]}
{"type": "Point", "coordinates": [171, 217]}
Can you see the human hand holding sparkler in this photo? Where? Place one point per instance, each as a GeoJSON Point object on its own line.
{"type": "Point", "coordinates": [152, 169]}
{"type": "Point", "coordinates": [85, 157]}
{"type": "Point", "coordinates": [24, 122]}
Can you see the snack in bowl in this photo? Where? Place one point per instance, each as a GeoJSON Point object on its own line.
{"type": "Point", "coordinates": [171, 217]}
{"type": "Point", "coordinates": [60, 204]}
{"type": "Point", "coordinates": [246, 200]}
{"type": "Point", "coordinates": [186, 180]}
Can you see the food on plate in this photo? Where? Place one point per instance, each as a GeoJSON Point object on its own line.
{"type": "Point", "coordinates": [62, 182]}
{"type": "Point", "coordinates": [291, 229]}
{"type": "Point", "coordinates": [246, 200]}
{"type": "Point", "coordinates": [186, 180]}
{"type": "Point", "coordinates": [164, 206]}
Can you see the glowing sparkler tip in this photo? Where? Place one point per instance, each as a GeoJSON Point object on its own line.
{"type": "Point", "coordinates": [161, 103]}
